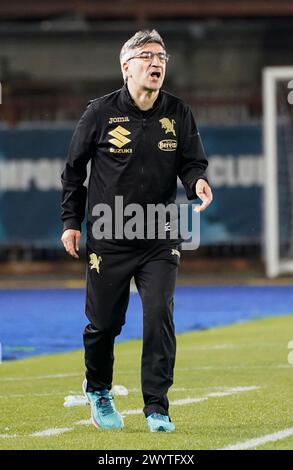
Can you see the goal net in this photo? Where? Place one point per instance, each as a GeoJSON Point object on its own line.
{"type": "Point", "coordinates": [278, 175]}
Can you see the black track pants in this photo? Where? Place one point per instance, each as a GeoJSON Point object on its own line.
{"type": "Point", "coordinates": [154, 265]}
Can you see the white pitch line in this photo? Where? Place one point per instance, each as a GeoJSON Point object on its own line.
{"type": "Point", "coordinates": [83, 422]}
{"type": "Point", "coordinates": [232, 391]}
{"type": "Point", "coordinates": [211, 347]}
{"type": "Point", "coordinates": [134, 371]}
{"type": "Point", "coordinates": [51, 432]}
{"type": "Point", "coordinates": [131, 412]}
{"type": "Point", "coordinates": [199, 347]}
{"type": "Point", "coordinates": [41, 377]}
{"type": "Point", "coordinates": [276, 436]}
{"type": "Point", "coordinates": [80, 400]}
{"type": "Point", "coordinates": [76, 392]}
{"type": "Point", "coordinates": [240, 367]}
{"type": "Point", "coordinates": [21, 395]}
{"type": "Point", "coordinates": [187, 401]}
{"type": "Point", "coordinates": [7, 436]}
{"type": "Point", "coordinates": [182, 389]}
{"type": "Point", "coordinates": [180, 402]}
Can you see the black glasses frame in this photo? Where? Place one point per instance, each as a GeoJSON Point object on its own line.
{"type": "Point", "coordinates": [150, 55]}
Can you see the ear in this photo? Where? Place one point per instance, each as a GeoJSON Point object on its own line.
{"type": "Point", "coordinates": [125, 69]}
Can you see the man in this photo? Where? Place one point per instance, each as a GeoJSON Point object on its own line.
{"type": "Point", "coordinates": [138, 139]}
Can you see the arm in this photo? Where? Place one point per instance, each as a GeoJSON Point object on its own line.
{"type": "Point", "coordinates": [74, 192]}
{"type": "Point", "coordinates": [193, 162]}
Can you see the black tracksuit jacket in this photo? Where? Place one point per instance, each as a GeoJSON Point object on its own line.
{"type": "Point", "coordinates": [135, 154]}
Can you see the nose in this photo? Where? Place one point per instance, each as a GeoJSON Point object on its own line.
{"type": "Point", "coordinates": [156, 61]}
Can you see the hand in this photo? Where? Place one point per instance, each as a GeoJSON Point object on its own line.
{"type": "Point", "coordinates": [204, 193]}
{"type": "Point", "coordinates": [71, 241]}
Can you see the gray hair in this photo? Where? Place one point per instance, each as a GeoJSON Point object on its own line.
{"type": "Point", "coordinates": [138, 40]}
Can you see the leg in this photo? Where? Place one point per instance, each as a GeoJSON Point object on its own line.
{"type": "Point", "coordinates": [155, 280]}
{"type": "Point", "coordinates": [107, 296]}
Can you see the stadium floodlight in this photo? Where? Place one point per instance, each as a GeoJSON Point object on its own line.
{"type": "Point", "coordinates": [278, 176]}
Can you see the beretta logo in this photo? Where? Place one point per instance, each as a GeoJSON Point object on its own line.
{"type": "Point", "coordinates": [167, 145]}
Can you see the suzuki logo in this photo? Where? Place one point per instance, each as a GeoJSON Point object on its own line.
{"type": "Point", "coordinates": [119, 134]}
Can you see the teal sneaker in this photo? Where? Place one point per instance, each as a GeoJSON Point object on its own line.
{"type": "Point", "coordinates": [160, 423]}
{"type": "Point", "coordinates": [104, 413]}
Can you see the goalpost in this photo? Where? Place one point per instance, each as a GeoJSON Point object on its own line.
{"type": "Point", "coordinates": [278, 169]}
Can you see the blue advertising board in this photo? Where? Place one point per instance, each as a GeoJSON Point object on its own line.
{"type": "Point", "coordinates": [31, 161]}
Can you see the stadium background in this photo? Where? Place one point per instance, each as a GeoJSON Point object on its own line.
{"type": "Point", "coordinates": [54, 57]}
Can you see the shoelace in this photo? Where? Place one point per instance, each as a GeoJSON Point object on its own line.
{"type": "Point", "coordinates": [105, 403]}
{"type": "Point", "coordinates": [159, 416]}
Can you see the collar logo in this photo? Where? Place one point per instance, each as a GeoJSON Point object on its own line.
{"type": "Point", "coordinates": [168, 125]}
{"type": "Point", "coordinates": [119, 134]}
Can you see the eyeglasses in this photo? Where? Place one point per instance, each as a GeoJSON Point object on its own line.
{"type": "Point", "coordinates": [149, 55]}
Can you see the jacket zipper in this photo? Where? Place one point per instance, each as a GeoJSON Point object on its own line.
{"type": "Point", "coordinates": [142, 153]}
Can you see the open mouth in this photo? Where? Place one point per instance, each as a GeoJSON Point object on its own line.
{"type": "Point", "coordinates": [156, 74]}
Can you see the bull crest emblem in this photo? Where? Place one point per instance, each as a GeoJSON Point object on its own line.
{"type": "Point", "coordinates": [168, 125]}
{"type": "Point", "coordinates": [175, 252]}
{"type": "Point", "coordinates": [95, 262]}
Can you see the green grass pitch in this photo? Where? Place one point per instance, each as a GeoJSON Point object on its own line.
{"type": "Point", "coordinates": [211, 365]}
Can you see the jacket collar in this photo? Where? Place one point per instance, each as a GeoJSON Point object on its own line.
{"type": "Point", "coordinates": [129, 104]}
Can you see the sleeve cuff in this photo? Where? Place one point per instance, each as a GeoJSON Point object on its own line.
{"type": "Point", "coordinates": [190, 187]}
{"type": "Point", "coordinates": [72, 224]}
{"type": "Point", "coordinates": [196, 180]}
